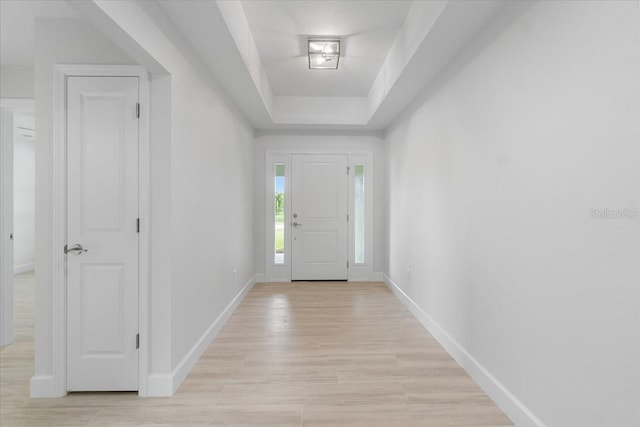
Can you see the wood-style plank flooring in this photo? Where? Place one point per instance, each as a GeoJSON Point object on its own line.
{"type": "Point", "coordinates": [293, 354]}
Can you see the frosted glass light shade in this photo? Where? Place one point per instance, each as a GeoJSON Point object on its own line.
{"type": "Point", "coordinates": [324, 54]}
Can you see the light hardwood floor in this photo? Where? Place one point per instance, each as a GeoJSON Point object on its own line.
{"type": "Point", "coordinates": [293, 354]}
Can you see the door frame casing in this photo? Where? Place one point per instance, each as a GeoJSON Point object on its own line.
{"type": "Point", "coordinates": [59, 153]}
{"type": "Point", "coordinates": [282, 272]}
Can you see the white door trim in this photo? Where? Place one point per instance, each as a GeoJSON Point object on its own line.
{"type": "Point", "coordinates": [282, 272]}
{"type": "Point", "coordinates": [61, 73]}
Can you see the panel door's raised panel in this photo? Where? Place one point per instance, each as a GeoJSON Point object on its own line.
{"type": "Point", "coordinates": [102, 310]}
{"type": "Point", "coordinates": [102, 166]}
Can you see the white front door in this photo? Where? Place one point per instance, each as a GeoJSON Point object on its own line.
{"type": "Point", "coordinates": [319, 217]}
{"type": "Point", "coordinates": [102, 238]}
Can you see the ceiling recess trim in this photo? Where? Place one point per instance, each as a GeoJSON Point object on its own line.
{"type": "Point", "coordinates": [416, 56]}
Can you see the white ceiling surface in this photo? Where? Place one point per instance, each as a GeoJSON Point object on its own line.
{"type": "Point", "coordinates": [256, 51]}
{"type": "Point", "coordinates": [17, 38]}
{"type": "Point", "coordinates": [266, 72]}
{"type": "Point", "coordinates": [366, 30]}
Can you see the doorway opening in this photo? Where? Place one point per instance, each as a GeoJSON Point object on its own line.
{"type": "Point", "coordinates": [17, 254]}
{"type": "Point", "coordinates": [110, 106]}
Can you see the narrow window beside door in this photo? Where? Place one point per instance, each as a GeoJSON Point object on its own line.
{"type": "Point", "coordinates": [279, 206]}
{"type": "Point", "coordinates": [359, 214]}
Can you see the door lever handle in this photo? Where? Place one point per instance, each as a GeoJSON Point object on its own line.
{"type": "Point", "coordinates": [77, 249]}
{"type": "Point", "coordinates": [295, 224]}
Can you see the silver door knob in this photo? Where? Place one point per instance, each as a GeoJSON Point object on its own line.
{"type": "Point", "coordinates": [76, 249]}
{"type": "Point", "coordinates": [295, 224]}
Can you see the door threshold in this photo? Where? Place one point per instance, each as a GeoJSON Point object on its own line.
{"type": "Point", "coordinates": [320, 280]}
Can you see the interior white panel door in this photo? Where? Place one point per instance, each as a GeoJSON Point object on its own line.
{"type": "Point", "coordinates": [319, 217]}
{"type": "Point", "coordinates": [102, 237]}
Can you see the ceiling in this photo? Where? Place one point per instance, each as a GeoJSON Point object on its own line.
{"type": "Point", "coordinates": [366, 30]}
{"type": "Point", "coordinates": [391, 50]}
{"type": "Point", "coordinates": [255, 50]}
{"type": "Point", "coordinates": [17, 38]}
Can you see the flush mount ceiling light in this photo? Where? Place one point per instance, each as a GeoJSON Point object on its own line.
{"type": "Point", "coordinates": [324, 54]}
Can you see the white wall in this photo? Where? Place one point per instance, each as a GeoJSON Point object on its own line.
{"type": "Point", "coordinates": [16, 81]}
{"type": "Point", "coordinates": [212, 208]}
{"type": "Point", "coordinates": [317, 141]}
{"type": "Point", "coordinates": [24, 173]}
{"type": "Point", "coordinates": [160, 245]}
{"type": "Point", "coordinates": [65, 41]}
{"type": "Point", "coordinates": [492, 183]}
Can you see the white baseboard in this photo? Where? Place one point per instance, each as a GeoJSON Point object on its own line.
{"type": "Point", "coordinates": [260, 277]}
{"type": "Point", "coordinates": [167, 385]}
{"type": "Point", "coordinates": [510, 405]}
{"type": "Point", "coordinates": [43, 386]}
{"type": "Point", "coordinates": [371, 277]}
{"type": "Point", "coordinates": [24, 268]}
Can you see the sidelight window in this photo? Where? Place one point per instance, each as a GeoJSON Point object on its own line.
{"type": "Point", "coordinates": [279, 206]}
{"type": "Point", "coordinates": [359, 212]}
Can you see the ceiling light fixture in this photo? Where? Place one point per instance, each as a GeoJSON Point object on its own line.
{"type": "Point", "coordinates": [324, 54]}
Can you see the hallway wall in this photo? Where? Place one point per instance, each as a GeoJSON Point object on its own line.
{"type": "Point", "coordinates": [505, 181]}
{"type": "Point", "coordinates": [16, 81]}
{"type": "Point", "coordinates": [212, 177]}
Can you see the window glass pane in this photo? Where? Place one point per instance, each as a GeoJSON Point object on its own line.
{"type": "Point", "coordinates": [278, 204]}
{"type": "Point", "coordinates": [359, 213]}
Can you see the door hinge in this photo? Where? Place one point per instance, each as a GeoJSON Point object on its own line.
{"type": "Point", "coordinates": [348, 168]}
{"type": "Point", "coordinates": [347, 217]}
{"type": "Point", "coordinates": [137, 225]}
{"type": "Point", "coordinates": [347, 264]}
{"type": "Point", "coordinates": [137, 341]}
{"type": "Point", "coordinates": [137, 110]}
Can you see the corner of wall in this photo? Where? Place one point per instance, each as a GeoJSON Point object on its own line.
{"type": "Point", "coordinates": [171, 383]}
